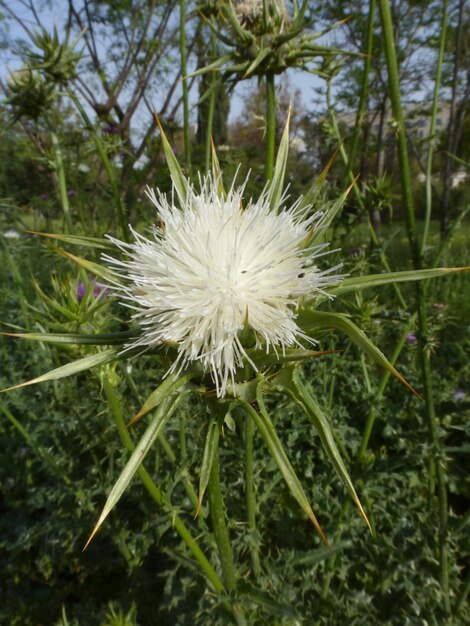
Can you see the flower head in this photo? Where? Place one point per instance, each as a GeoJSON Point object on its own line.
{"type": "Point", "coordinates": [213, 269]}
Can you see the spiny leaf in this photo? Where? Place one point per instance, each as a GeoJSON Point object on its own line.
{"type": "Point", "coordinates": [216, 171]}
{"type": "Point", "coordinates": [268, 432]}
{"type": "Point", "coordinates": [94, 268]}
{"type": "Point", "coordinates": [93, 242]}
{"type": "Point", "coordinates": [289, 355]}
{"type": "Point", "coordinates": [277, 183]}
{"type": "Point", "coordinates": [314, 191]}
{"type": "Point", "coordinates": [308, 320]}
{"type": "Point", "coordinates": [327, 219]}
{"type": "Point", "coordinates": [153, 430]}
{"type": "Point", "coordinates": [216, 65]}
{"type": "Point", "coordinates": [170, 384]}
{"type": "Point", "coordinates": [105, 339]}
{"type": "Point", "coordinates": [87, 362]}
{"type": "Point", "coordinates": [313, 411]}
{"type": "Point", "coordinates": [177, 176]}
{"type": "Point", "coordinates": [262, 54]}
{"type": "Point", "coordinates": [375, 280]}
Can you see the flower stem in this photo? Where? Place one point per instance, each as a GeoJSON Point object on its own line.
{"type": "Point", "coordinates": [432, 130]}
{"type": "Point", "coordinates": [184, 80]}
{"type": "Point", "coordinates": [210, 113]}
{"type": "Point", "coordinates": [364, 85]}
{"type": "Point", "coordinates": [115, 406]}
{"type": "Point", "coordinates": [217, 512]}
{"type": "Point", "coordinates": [437, 459]}
{"type": "Point", "coordinates": [270, 126]}
{"type": "Point", "coordinates": [250, 492]}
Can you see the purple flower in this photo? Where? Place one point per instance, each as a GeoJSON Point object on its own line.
{"type": "Point", "coordinates": [111, 130]}
{"type": "Point", "coordinates": [411, 338]}
{"type": "Point", "coordinates": [71, 193]}
{"type": "Point", "coordinates": [98, 289]}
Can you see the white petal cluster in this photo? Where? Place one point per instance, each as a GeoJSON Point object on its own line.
{"type": "Point", "coordinates": [213, 267]}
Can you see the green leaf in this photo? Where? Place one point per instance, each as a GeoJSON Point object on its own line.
{"type": "Point", "coordinates": [179, 180]}
{"type": "Point", "coordinates": [93, 242]}
{"type": "Point", "coordinates": [375, 280]}
{"type": "Point", "coordinates": [262, 54]}
{"type": "Point", "coordinates": [210, 450]}
{"type": "Point", "coordinates": [320, 232]}
{"type": "Point", "coordinates": [313, 411]}
{"type": "Point", "coordinates": [87, 362]}
{"type": "Point", "coordinates": [94, 268]}
{"type": "Point", "coordinates": [312, 194]}
{"type": "Point", "coordinates": [268, 432]}
{"type": "Point", "coordinates": [277, 183]}
{"type": "Point", "coordinates": [216, 65]}
{"type": "Point", "coordinates": [289, 355]}
{"type": "Point", "coordinates": [151, 434]}
{"type": "Point", "coordinates": [216, 171]}
{"type": "Point", "coordinates": [170, 384]}
{"type": "Point", "coordinates": [104, 339]}
{"type": "Point", "coordinates": [309, 320]}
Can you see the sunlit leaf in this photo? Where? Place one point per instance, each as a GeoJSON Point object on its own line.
{"type": "Point", "coordinates": [177, 176]}
{"type": "Point", "coordinates": [87, 362]}
{"type": "Point", "coordinates": [92, 242]}
{"type": "Point", "coordinates": [94, 268]}
{"type": "Point", "coordinates": [375, 280]}
{"type": "Point", "coordinates": [313, 411]}
{"type": "Point", "coordinates": [106, 339]}
{"type": "Point", "coordinates": [162, 415]}
{"type": "Point", "coordinates": [309, 320]}
{"type": "Point", "coordinates": [262, 54]}
{"type": "Point", "coordinates": [277, 183]}
{"type": "Point", "coordinates": [171, 383]}
{"type": "Point", "coordinates": [268, 432]}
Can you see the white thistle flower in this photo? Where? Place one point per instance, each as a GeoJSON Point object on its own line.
{"type": "Point", "coordinates": [213, 267]}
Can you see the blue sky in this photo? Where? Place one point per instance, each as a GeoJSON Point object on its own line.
{"type": "Point", "coordinates": [307, 83]}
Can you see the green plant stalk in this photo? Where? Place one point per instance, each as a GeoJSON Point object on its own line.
{"type": "Point", "coordinates": [347, 163]}
{"type": "Point", "coordinates": [432, 132]}
{"type": "Point", "coordinates": [60, 174]}
{"type": "Point", "coordinates": [121, 211]}
{"type": "Point", "coordinates": [250, 491]}
{"type": "Point", "coordinates": [270, 126]}
{"type": "Point", "coordinates": [437, 459]}
{"type": "Point", "coordinates": [222, 539]}
{"type": "Point", "coordinates": [184, 80]}
{"type": "Point", "coordinates": [210, 113]}
{"type": "Point", "coordinates": [156, 494]}
{"type": "Point", "coordinates": [364, 85]}
{"type": "Point", "coordinates": [217, 513]}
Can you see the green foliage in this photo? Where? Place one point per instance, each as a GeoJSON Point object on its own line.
{"type": "Point", "coordinates": [55, 480]}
